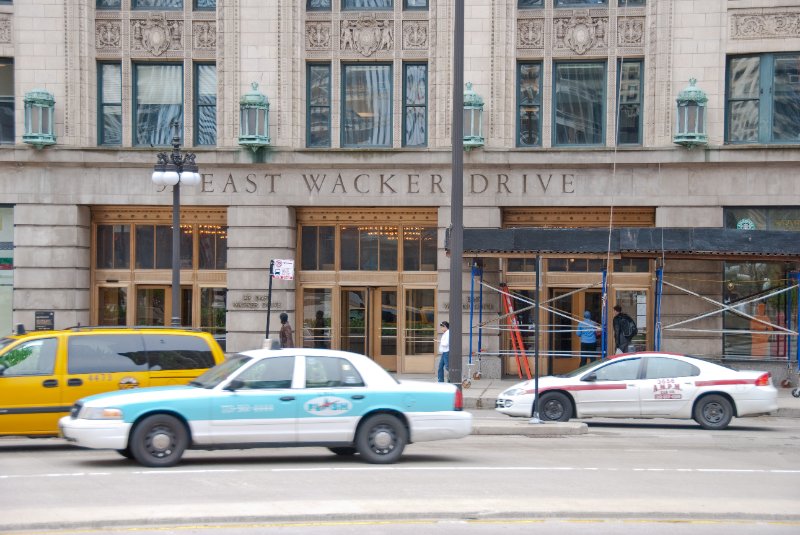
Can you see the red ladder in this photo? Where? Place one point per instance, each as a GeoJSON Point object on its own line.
{"type": "Point", "coordinates": [516, 336]}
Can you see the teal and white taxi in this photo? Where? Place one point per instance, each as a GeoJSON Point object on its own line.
{"type": "Point", "coordinates": [262, 398]}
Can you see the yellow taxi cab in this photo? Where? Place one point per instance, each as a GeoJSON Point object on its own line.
{"type": "Point", "coordinates": [43, 373]}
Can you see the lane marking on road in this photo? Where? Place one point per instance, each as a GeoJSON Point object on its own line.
{"type": "Point", "coordinates": [179, 472]}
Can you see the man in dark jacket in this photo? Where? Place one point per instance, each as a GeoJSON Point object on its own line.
{"type": "Point", "coordinates": [624, 330]}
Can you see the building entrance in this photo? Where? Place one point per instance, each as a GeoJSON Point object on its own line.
{"type": "Point", "coordinates": [566, 305]}
{"type": "Point", "coordinates": [369, 322]}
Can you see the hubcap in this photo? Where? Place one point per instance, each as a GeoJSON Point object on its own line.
{"type": "Point", "coordinates": [382, 440]}
{"type": "Point", "coordinates": [553, 410]}
{"type": "Point", "coordinates": [713, 412]}
{"type": "Point", "coordinates": [160, 442]}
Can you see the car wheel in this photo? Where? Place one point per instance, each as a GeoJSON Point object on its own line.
{"type": "Point", "coordinates": [126, 453]}
{"type": "Point", "coordinates": [713, 412]}
{"type": "Point", "coordinates": [554, 407]}
{"type": "Point", "coordinates": [159, 441]}
{"type": "Point", "coordinates": [381, 439]}
{"type": "Point", "coordinates": [345, 451]}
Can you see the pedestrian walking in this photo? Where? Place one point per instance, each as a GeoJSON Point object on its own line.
{"type": "Point", "coordinates": [444, 349]}
{"type": "Point", "coordinates": [624, 330]}
{"type": "Point", "coordinates": [286, 334]}
{"type": "Point", "coordinates": [587, 332]}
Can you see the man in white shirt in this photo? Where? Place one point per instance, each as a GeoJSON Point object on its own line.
{"type": "Point", "coordinates": [444, 348]}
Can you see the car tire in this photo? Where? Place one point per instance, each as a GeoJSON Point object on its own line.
{"type": "Point", "coordinates": [713, 412]}
{"type": "Point", "coordinates": [381, 438]}
{"type": "Point", "coordinates": [554, 407]}
{"type": "Point", "coordinates": [126, 453]}
{"type": "Point", "coordinates": [158, 441]}
{"type": "Point", "coordinates": [344, 451]}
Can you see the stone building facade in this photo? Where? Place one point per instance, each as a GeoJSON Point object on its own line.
{"type": "Point", "coordinates": [579, 119]}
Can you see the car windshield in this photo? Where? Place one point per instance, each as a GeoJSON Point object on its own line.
{"type": "Point", "coordinates": [5, 341]}
{"type": "Point", "coordinates": [219, 373]}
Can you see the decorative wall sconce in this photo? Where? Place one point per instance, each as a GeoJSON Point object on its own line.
{"type": "Point", "coordinates": [473, 119]}
{"type": "Point", "coordinates": [690, 123]}
{"type": "Point", "coordinates": [39, 124]}
{"type": "Point", "coordinates": [254, 119]}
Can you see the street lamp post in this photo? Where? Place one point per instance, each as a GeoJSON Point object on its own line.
{"type": "Point", "coordinates": [174, 169]}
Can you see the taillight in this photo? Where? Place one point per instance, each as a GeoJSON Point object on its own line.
{"type": "Point", "coordinates": [764, 380]}
{"type": "Point", "coordinates": [458, 403]}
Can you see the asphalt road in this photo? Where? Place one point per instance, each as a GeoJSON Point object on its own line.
{"type": "Point", "coordinates": [619, 472]}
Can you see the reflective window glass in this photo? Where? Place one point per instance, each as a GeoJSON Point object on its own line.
{"type": "Point", "coordinates": [579, 103]}
{"type": "Point", "coordinates": [213, 309]}
{"type": "Point", "coordinates": [113, 306]}
{"type": "Point", "coordinates": [275, 372]}
{"type": "Point", "coordinates": [629, 113]}
{"type": "Point", "coordinates": [34, 357]}
{"type": "Point", "coordinates": [330, 372]}
{"type": "Point", "coordinates": [108, 4]}
{"type": "Point", "coordinates": [367, 4]}
{"type": "Point", "coordinates": [419, 249]}
{"type": "Point", "coordinates": [415, 105]}
{"type": "Point", "coordinates": [420, 321]}
{"type": "Point", "coordinates": [158, 103]}
{"type": "Point", "coordinates": [205, 5]}
{"type": "Point", "coordinates": [106, 354]}
{"type": "Point", "coordinates": [663, 368]}
{"type": "Point", "coordinates": [110, 103]}
{"type": "Point", "coordinates": [621, 370]}
{"type": "Point", "coordinates": [318, 5]}
{"type": "Point", "coordinates": [367, 105]}
{"type": "Point", "coordinates": [7, 131]}
{"type": "Point", "coordinates": [212, 246]}
{"type": "Point", "coordinates": [205, 105]}
{"type": "Point", "coordinates": [529, 3]}
{"type": "Point", "coordinates": [113, 247]}
{"type": "Point", "coordinates": [415, 4]}
{"type": "Point", "coordinates": [529, 102]}
{"type": "Point", "coordinates": [319, 106]}
{"type": "Point", "coordinates": [317, 312]}
{"type": "Point", "coordinates": [175, 352]}
{"type": "Point", "coordinates": [157, 4]}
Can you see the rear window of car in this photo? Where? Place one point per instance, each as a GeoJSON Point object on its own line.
{"type": "Point", "coordinates": [106, 353]}
{"type": "Point", "coordinates": [177, 352]}
{"type": "Point", "coordinates": [327, 372]}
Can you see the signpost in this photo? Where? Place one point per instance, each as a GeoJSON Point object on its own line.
{"type": "Point", "coordinates": [278, 269]}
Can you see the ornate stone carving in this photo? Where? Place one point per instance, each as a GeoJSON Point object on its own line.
{"type": "Point", "coordinates": [765, 25]}
{"type": "Point", "coordinates": [630, 31]}
{"type": "Point", "coordinates": [367, 34]}
{"type": "Point", "coordinates": [530, 33]}
{"type": "Point", "coordinates": [5, 30]}
{"type": "Point", "coordinates": [204, 34]}
{"type": "Point", "coordinates": [318, 35]}
{"type": "Point", "coordinates": [108, 34]}
{"type": "Point", "coordinates": [156, 34]}
{"type": "Point", "coordinates": [415, 34]}
{"type": "Point", "coordinates": [581, 32]}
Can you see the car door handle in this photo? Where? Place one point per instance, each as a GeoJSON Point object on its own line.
{"type": "Point", "coordinates": [74, 382]}
{"type": "Point", "coordinates": [50, 383]}
{"type": "Point", "coordinates": [287, 398]}
{"type": "Point", "coordinates": [357, 396]}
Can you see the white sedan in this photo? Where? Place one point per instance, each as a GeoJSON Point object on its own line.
{"type": "Point", "coordinates": [261, 398]}
{"type": "Point", "coordinates": [646, 385]}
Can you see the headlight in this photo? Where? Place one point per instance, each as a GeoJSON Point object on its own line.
{"type": "Point", "coordinates": [100, 413]}
{"type": "Point", "coordinates": [512, 392]}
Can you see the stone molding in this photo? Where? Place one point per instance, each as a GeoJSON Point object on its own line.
{"type": "Point", "coordinates": [204, 35]}
{"type": "Point", "coordinates": [367, 34]}
{"type": "Point", "coordinates": [107, 34]}
{"type": "Point", "coordinates": [156, 34]}
{"type": "Point", "coordinates": [318, 35]}
{"type": "Point", "coordinates": [630, 31]}
{"type": "Point", "coordinates": [765, 24]}
{"type": "Point", "coordinates": [530, 33]}
{"type": "Point", "coordinates": [581, 32]}
{"type": "Point", "coordinates": [415, 34]}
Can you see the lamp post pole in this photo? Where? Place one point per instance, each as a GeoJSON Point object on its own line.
{"type": "Point", "coordinates": [174, 169]}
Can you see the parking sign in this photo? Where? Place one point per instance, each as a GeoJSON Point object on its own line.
{"type": "Point", "coordinates": [283, 269]}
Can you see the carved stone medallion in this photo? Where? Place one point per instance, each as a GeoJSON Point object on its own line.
{"type": "Point", "coordinates": [367, 34]}
{"type": "Point", "coordinates": [205, 35]}
{"type": "Point", "coordinates": [630, 31]}
{"type": "Point", "coordinates": [107, 34]}
{"type": "Point", "coordinates": [415, 34]}
{"type": "Point", "coordinates": [530, 33]}
{"type": "Point", "coordinates": [156, 34]}
{"type": "Point", "coordinates": [318, 35]}
{"type": "Point", "coordinates": [765, 25]}
{"type": "Point", "coordinates": [5, 30]}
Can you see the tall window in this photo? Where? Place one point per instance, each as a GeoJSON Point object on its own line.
{"type": "Point", "coordinates": [579, 107]}
{"type": "Point", "coordinates": [367, 105]}
{"type": "Point", "coordinates": [157, 4]}
{"type": "Point", "coordinates": [319, 105]}
{"type": "Point", "coordinates": [529, 104]}
{"type": "Point", "coordinates": [108, 4]}
{"type": "Point", "coordinates": [763, 104]}
{"type": "Point", "coordinates": [6, 101]}
{"type": "Point", "coordinates": [110, 103]}
{"type": "Point", "coordinates": [629, 116]}
{"type": "Point", "coordinates": [367, 4]}
{"type": "Point", "coordinates": [113, 249]}
{"type": "Point", "coordinates": [317, 248]}
{"type": "Point", "coordinates": [205, 5]}
{"type": "Point", "coordinates": [415, 4]}
{"type": "Point", "coordinates": [415, 105]}
{"type": "Point", "coordinates": [522, 4]}
{"type": "Point", "coordinates": [369, 248]}
{"type": "Point", "coordinates": [158, 102]}
{"type": "Point", "coordinates": [565, 3]}
{"type": "Point", "coordinates": [205, 103]}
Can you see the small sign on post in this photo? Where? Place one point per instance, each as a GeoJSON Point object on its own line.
{"type": "Point", "coordinates": [278, 269]}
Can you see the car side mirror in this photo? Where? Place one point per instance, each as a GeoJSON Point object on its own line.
{"type": "Point", "coordinates": [235, 385]}
{"type": "Point", "coordinates": [592, 377]}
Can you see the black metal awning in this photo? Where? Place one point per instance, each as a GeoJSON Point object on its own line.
{"type": "Point", "coordinates": [632, 241]}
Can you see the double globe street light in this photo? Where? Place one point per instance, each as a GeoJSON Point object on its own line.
{"type": "Point", "coordinates": [174, 169]}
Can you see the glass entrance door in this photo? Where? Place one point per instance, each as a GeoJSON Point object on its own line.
{"type": "Point", "coordinates": [567, 311]}
{"type": "Point", "coordinates": [154, 305]}
{"type": "Point", "coordinates": [369, 324]}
